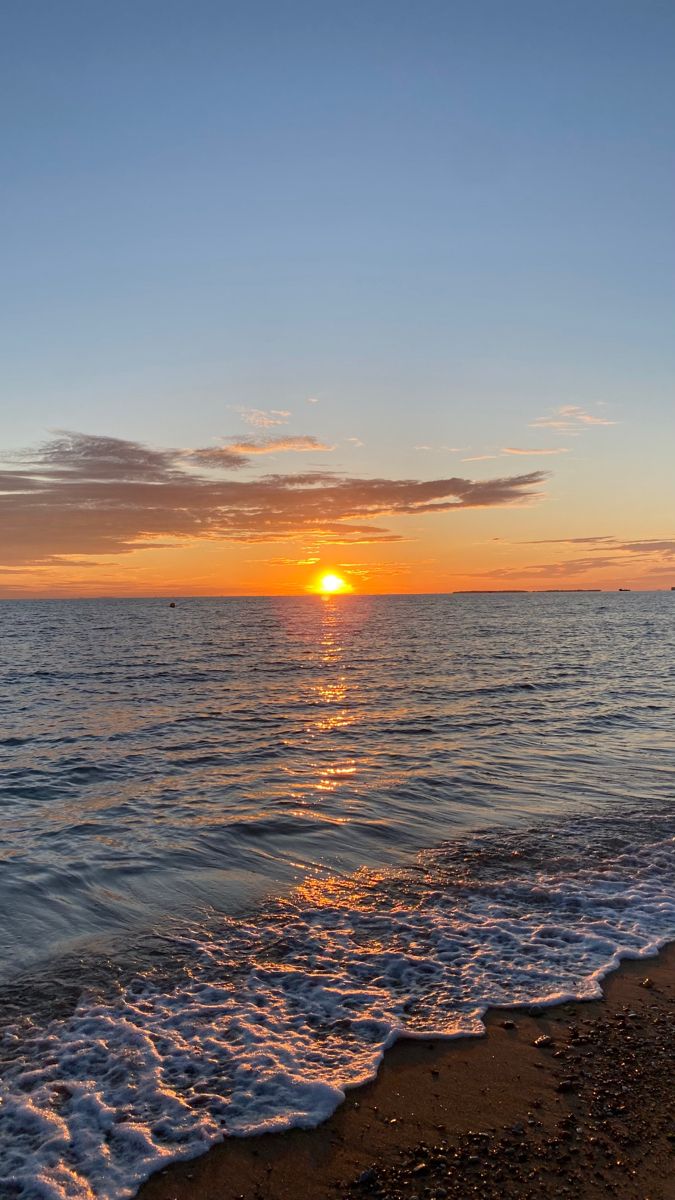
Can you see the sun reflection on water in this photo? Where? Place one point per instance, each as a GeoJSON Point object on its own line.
{"type": "Point", "coordinates": [325, 767]}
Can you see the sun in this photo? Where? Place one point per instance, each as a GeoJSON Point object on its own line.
{"type": "Point", "coordinates": [331, 584]}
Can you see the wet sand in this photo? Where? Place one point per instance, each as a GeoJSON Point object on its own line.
{"type": "Point", "coordinates": [589, 1112]}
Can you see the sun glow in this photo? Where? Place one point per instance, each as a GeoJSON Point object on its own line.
{"type": "Point", "coordinates": [331, 584]}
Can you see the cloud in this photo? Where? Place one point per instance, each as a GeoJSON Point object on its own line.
{"type": "Point", "coordinates": [568, 568]}
{"type": "Point", "coordinates": [575, 541]}
{"type": "Point", "coordinates": [355, 441]}
{"type": "Point", "coordinates": [639, 560]}
{"type": "Point", "coordinates": [665, 547]}
{"type": "Point", "coordinates": [534, 450]}
{"type": "Point", "coordinates": [288, 562]}
{"type": "Point", "coordinates": [361, 571]}
{"type": "Point", "coordinates": [238, 450]}
{"type": "Point", "coordinates": [264, 418]}
{"type": "Point", "coordinates": [88, 495]}
{"type": "Point", "coordinates": [94, 457]}
{"type": "Point", "coordinates": [642, 546]}
{"type": "Point", "coordinates": [480, 457]}
{"type": "Point", "coordinates": [366, 571]}
{"type": "Point", "coordinates": [569, 418]}
{"type": "Point", "coordinates": [574, 413]}
{"type": "Point", "coordinates": [228, 458]}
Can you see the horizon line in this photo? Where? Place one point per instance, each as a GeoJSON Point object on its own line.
{"type": "Point", "coordinates": [169, 596]}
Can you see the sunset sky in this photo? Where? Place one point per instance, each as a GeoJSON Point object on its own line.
{"type": "Point", "coordinates": [384, 289]}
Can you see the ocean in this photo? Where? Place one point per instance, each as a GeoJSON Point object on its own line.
{"type": "Point", "coordinates": [245, 844]}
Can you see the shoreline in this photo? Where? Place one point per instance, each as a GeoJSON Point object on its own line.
{"type": "Point", "coordinates": [589, 1112]}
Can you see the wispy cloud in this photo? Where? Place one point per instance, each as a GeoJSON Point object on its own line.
{"type": "Point", "coordinates": [533, 451]}
{"type": "Point", "coordinates": [362, 571]}
{"type": "Point", "coordinates": [569, 418]}
{"type": "Point", "coordinates": [664, 547]}
{"type": "Point", "coordinates": [291, 561]}
{"type": "Point", "coordinates": [236, 452]}
{"type": "Point", "coordinates": [565, 569]}
{"type": "Point", "coordinates": [365, 571]}
{"type": "Point", "coordinates": [480, 457]}
{"type": "Point", "coordinates": [264, 418]}
{"type": "Point", "coordinates": [644, 558]}
{"type": "Point", "coordinates": [592, 539]}
{"type": "Point", "coordinates": [86, 495]}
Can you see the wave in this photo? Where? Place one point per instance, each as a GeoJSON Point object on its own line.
{"type": "Point", "coordinates": [268, 1019]}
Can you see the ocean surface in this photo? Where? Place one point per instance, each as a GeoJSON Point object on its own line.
{"type": "Point", "coordinates": [245, 844]}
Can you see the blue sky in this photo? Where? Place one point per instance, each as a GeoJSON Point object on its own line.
{"type": "Point", "coordinates": [441, 220]}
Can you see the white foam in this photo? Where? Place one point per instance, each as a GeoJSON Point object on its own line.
{"type": "Point", "coordinates": [277, 1016]}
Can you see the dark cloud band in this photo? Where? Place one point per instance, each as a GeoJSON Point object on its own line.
{"type": "Point", "coordinates": [84, 495]}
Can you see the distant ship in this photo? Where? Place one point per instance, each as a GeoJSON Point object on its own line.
{"type": "Point", "coordinates": [624, 589]}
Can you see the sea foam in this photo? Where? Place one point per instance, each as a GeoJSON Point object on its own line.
{"type": "Point", "coordinates": [270, 1019]}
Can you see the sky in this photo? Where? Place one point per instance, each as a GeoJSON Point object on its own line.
{"type": "Point", "coordinates": [383, 289]}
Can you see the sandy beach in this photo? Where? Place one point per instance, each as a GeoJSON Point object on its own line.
{"type": "Point", "coordinates": [576, 1100]}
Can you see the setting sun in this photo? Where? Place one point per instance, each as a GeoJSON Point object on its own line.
{"type": "Point", "coordinates": [330, 584]}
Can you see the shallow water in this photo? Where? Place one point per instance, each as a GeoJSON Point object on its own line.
{"type": "Point", "coordinates": [245, 843]}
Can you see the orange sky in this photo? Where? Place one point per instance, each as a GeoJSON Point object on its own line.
{"type": "Point", "coordinates": [90, 515]}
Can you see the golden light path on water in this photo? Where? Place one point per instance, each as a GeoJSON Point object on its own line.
{"type": "Point", "coordinates": [332, 710]}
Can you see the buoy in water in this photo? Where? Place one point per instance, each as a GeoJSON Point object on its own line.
{"type": "Point", "coordinates": [172, 604]}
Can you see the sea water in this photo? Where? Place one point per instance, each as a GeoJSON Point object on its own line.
{"type": "Point", "coordinates": [247, 843]}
